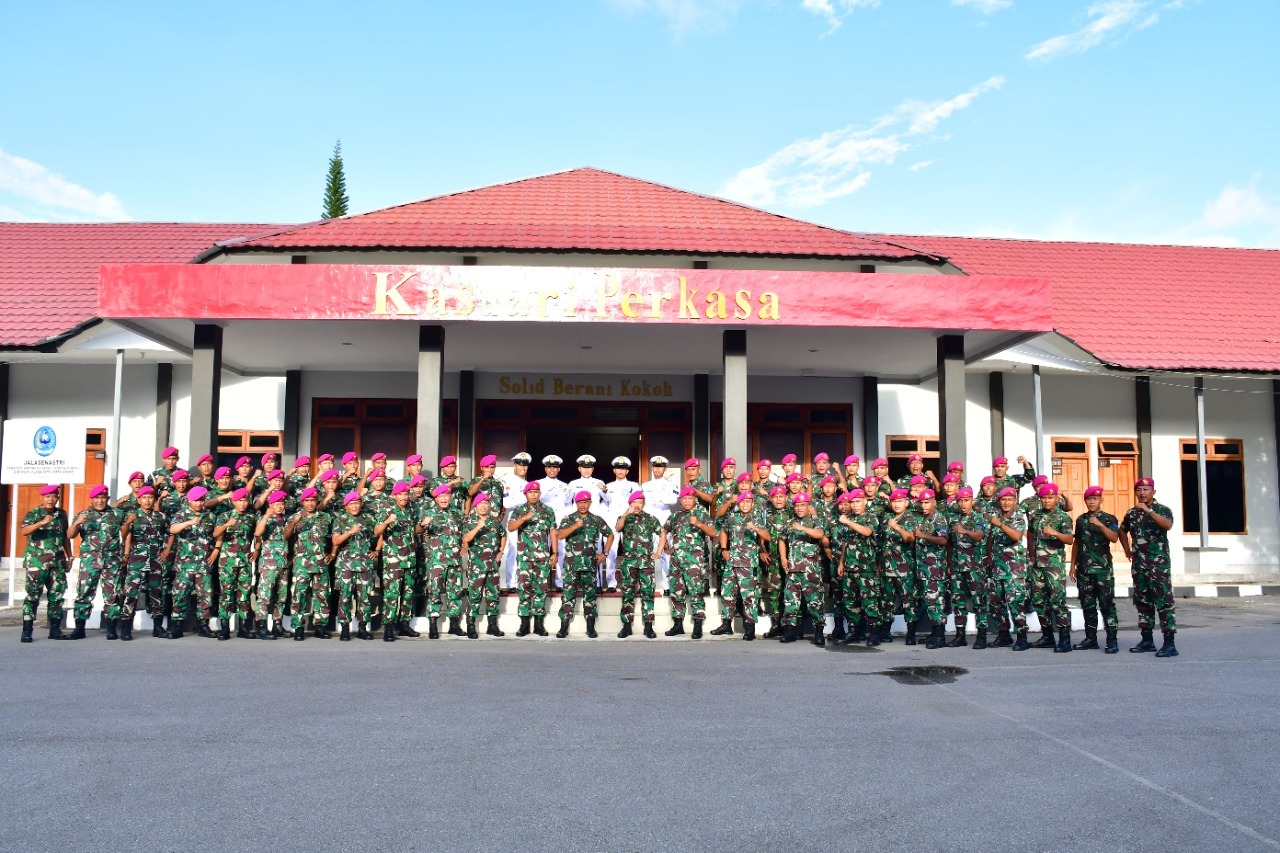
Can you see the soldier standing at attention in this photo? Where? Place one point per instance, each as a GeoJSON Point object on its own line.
{"type": "Point", "coordinates": [764, 479]}
{"type": "Point", "coordinates": [354, 541]}
{"type": "Point", "coordinates": [821, 469]}
{"type": "Point", "coordinates": [45, 560]}
{"type": "Point", "coordinates": [128, 503]}
{"type": "Point", "coordinates": [483, 543]}
{"type": "Point", "coordinates": [1092, 570]}
{"type": "Point", "coordinates": [637, 552]}
{"type": "Point", "coordinates": [486, 482]}
{"type": "Point", "coordinates": [145, 531]}
{"type": "Point", "coordinates": [162, 477]}
{"type": "Point", "coordinates": [204, 471]}
{"type": "Point", "coordinates": [413, 466]}
{"type": "Point", "coordinates": [858, 565]}
{"type": "Point", "coordinates": [534, 526]}
{"type": "Point", "coordinates": [660, 497]}
{"type": "Point", "coordinates": [1009, 567]}
{"type": "Point", "coordinates": [513, 489]}
{"type": "Point", "coordinates": [1053, 532]}
{"type": "Point", "coordinates": [299, 478]}
{"type": "Point", "coordinates": [1146, 542]}
{"type": "Point", "coordinates": [741, 536]}
{"type": "Point", "coordinates": [800, 551]}
{"type": "Point", "coordinates": [586, 540]}
{"type": "Point", "coordinates": [448, 476]}
{"type": "Point", "coordinates": [615, 503]}
{"type": "Point", "coordinates": [273, 565]}
{"type": "Point", "coordinates": [349, 477]}
{"type": "Point", "coordinates": [850, 477]}
{"type": "Point", "coordinates": [897, 551]}
{"type": "Point", "coordinates": [441, 532]}
{"type": "Point", "coordinates": [968, 533]}
{"type": "Point", "coordinates": [399, 550]}
{"type": "Point", "coordinates": [555, 492]}
{"type": "Point", "coordinates": [777, 518]}
{"type": "Point", "coordinates": [932, 535]}
{"type": "Point", "coordinates": [194, 556]}
{"type": "Point", "coordinates": [234, 535]}
{"type": "Point", "coordinates": [101, 556]}
{"type": "Point", "coordinates": [722, 504]}
{"type": "Point", "coordinates": [684, 537]}
{"type": "Point", "coordinates": [312, 533]}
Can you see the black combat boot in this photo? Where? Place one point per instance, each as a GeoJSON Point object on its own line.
{"type": "Point", "coordinates": [433, 628]}
{"type": "Point", "coordinates": [960, 641]}
{"type": "Point", "coordinates": [245, 629]}
{"type": "Point", "coordinates": [648, 631]}
{"type": "Point", "coordinates": [838, 631]}
{"type": "Point", "coordinates": [263, 633]}
{"type": "Point", "coordinates": [321, 631]}
{"type": "Point", "coordinates": [300, 632]}
{"type": "Point", "coordinates": [455, 627]}
{"type": "Point", "coordinates": [1064, 641]}
{"type": "Point", "coordinates": [980, 641]}
{"type": "Point", "coordinates": [788, 634]}
{"type": "Point", "coordinates": [404, 629]}
{"type": "Point", "coordinates": [677, 628]}
{"type": "Point", "coordinates": [472, 633]}
{"type": "Point", "coordinates": [205, 630]}
{"type": "Point", "coordinates": [362, 633]}
{"type": "Point", "coordinates": [564, 629]}
{"type": "Point", "coordinates": [1046, 640]}
{"type": "Point", "coordinates": [1090, 640]}
{"type": "Point", "coordinates": [911, 633]}
{"type": "Point", "coordinates": [696, 634]}
{"type": "Point", "coordinates": [27, 627]}
{"type": "Point", "coordinates": [345, 634]}
{"type": "Point", "coordinates": [388, 632]}
{"type": "Point", "coordinates": [1003, 639]}
{"type": "Point", "coordinates": [539, 627]}
{"type": "Point", "coordinates": [858, 634]}
{"type": "Point", "coordinates": [819, 640]}
{"type": "Point", "coordinates": [937, 639]}
{"type": "Point", "coordinates": [125, 628]}
{"type": "Point", "coordinates": [277, 628]}
{"type": "Point", "coordinates": [1112, 645]}
{"type": "Point", "coordinates": [366, 629]}
{"type": "Point", "coordinates": [175, 629]}
{"type": "Point", "coordinates": [78, 633]}
{"type": "Point", "coordinates": [1145, 645]}
{"type": "Point", "coordinates": [749, 630]}
{"type": "Point", "coordinates": [886, 631]}
{"type": "Point", "coordinates": [493, 630]}
{"type": "Point", "coordinates": [1168, 650]}
{"type": "Point", "coordinates": [775, 629]}
{"type": "Point", "coordinates": [1021, 645]}
{"type": "Point", "coordinates": [157, 627]}
{"type": "Point", "coordinates": [523, 631]}
{"type": "Point", "coordinates": [725, 629]}
{"type": "Point", "coordinates": [873, 635]}
{"type": "Point", "coordinates": [591, 627]}
{"type": "Point", "coordinates": [626, 630]}
{"type": "Point", "coordinates": [224, 629]}
{"type": "Point", "coordinates": [111, 628]}
{"type": "Point", "coordinates": [55, 627]}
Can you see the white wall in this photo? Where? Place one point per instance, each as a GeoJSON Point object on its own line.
{"type": "Point", "coordinates": [248, 402]}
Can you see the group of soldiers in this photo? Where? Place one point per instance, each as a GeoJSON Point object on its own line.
{"type": "Point", "coordinates": [257, 542]}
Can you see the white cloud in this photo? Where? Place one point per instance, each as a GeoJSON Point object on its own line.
{"type": "Point", "coordinates": [811, 172]}
{"type": "Point", "coordinates": [923, 164]}
{"type": "Point", "coordinates": [685, 16]}
{"type": "Point", "coordinates": [986, 7]}
{"type": "Point", "coordinates": [31, 181]}
{"type": "Point", "coordinates": [1237, 216]}
{"type": "Point", "coordinates": [835, 11]}
{"type": "Point", "coordinates": [1109, 20]}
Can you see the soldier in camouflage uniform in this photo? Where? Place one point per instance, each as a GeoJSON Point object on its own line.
{"type": "Point", "coordinates": [741, 536]}
{"type": "Point", "coordinates": [534, 525]}
{"type": "Point", "coordinates": [441, 532]}
{"type": "Point", "coordinates": [299, 478]}
{"type": "Point", "coordinates": [897, 551]}
{"type": "Point", "coordinates": [128, 503]}
{"type": "Point", "coordinates": [637, 554]}
{"type": "Point", "coordinates": [1051, 530]}
{"type": "Point", "coordinates": [398, 543]}
{"type": "Point", "coordinates": [858, 567]}
{"type": "Point", "coordinates": [1092, 570]}
{"type": "Point", "coordinates": [191, 529]}
{"type": "Point", "coordinates": [778, 518]}
{"type": "Point", "coordinates": [145, 532]}
{"type": "Point", "coordinates": [234, 535]}
{"type": "Point", "coordinates": [218, 497]}
{"type": "Point", "coordinates": [1009, 568]}
{"type": "Point", "coordinates": [458, 488]}
{"type": "Point", "coordinates": [483, 543]}
{"type": "Point", "coordinates": [273, 565]}
{"type": "Point", "coordinates": [1005, 480]}
{"type": "Point", "coordinates": [45, 559]}
{"type": "Point", "coordinates": [486, 482]}
{"type": "Point", "coordinates": [1146, 542]}
{"type": "Point", "coordinates": [587, 540]}
{"type": "Point", "coordinates": [932, 535]}
{"type": "Point", "coordinates": [312, 533]}
{"type": "Point", "coordinates": [161, 479]}
{"type": "Point", "coordinates": [685, 535]}
{"type": "Point", "coordinates": [969, 574]}
{"type": "Point", "coordinates": [723, 502]}
{"type": "Point", "coordinates": [101, 556]}
{"type": "Point", "coordinates": [354, 542]}
{"type": "Point", "coordinates": [801, 552]}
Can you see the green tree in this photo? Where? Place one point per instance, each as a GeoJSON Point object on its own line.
{"type": "Point", "coordinates": [335, 186]}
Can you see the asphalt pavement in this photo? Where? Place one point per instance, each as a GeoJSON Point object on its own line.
{"type": "Point", "coordinates": [565, 745]}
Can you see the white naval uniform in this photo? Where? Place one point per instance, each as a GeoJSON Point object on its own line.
{"type": "Point", "coordinates": [660, 500]}
{"type": "Point", "coordinates": [512, 498]}
{"type": "Point", "coordinates": [617, 497]}
{"type": "Point", "coordinates": [556, 494]}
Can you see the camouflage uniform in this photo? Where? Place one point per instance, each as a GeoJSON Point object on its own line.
{"type": "Point", "coordinates": [294, 483]}
{"type": "Point", "coordinates": [777, 522]}
{"type": "Point", "coordinates": [635, 564]}
{"type": "Point", "coordinates": [148, 533]}
{"type": "Point", "coordinates": [969, 575]}
{"type": "Point", "coordinates": [442, 537]}
{"type": "Point", "coordinates": [101, 558]}
{"type": "Point", "coordinates": [688, 561]}
{"type": "Point", "coordinates": [804, 575]}
{"type": "Point", "coordinates": [192, 573]}
{"type": "Point", "coordinates": [399, 554]}
{"type": "Point", "coordinates": [580, 550]}
{"type": "Point", "coordinates": [863, 592]}
{"type": "Point", "coordinates": [1095, 574]}
{"type": "Point", "coordinates": [896, 556]}
{"type": "Point", "coordinates": [162, 481]}
{"type": "Point", "coordinates": [355, 568]}
{"type": "Point", "coordinates": [931, 566]}
{"type": "Point", "coordinates": [1009, 573]}
{"type": "Point", "coordinates": [743, 565]}
{"type": "Point", "coordinates": [1016, 481]}
{"type": "Point", "coordinates": [533, 544]}
{"type": "Point", "coordinates": [1049, 581]}
{"type": "Point", "coordinates": [457, 493]}
{"type": "Point", "coordinates": [312, 539]}
{"type": "Point", "coordinates": [46, 563]}
{"type": "Point", "coordinates": [273, 571]}
{"type": "Point", "coordinates": [1152, 585]}
{"type": "Point", "coordinates": [485, 564]}
{"type": "Point", "coordinates": [492, 487]}
{"type": "Point", "coordinates": [723, 491]}
{"type": "Point", "coordinates": [235, 572]}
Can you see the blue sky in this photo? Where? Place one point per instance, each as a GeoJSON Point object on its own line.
{"type": "Point", "coordinates": [1122, 120]}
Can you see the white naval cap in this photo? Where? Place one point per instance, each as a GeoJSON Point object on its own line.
{"type": "Point", "coordinates": [552, 459]}
{"type": "Point", "coordinates": [658, 460]}
{"type": "Point", "coordinates": [586, 460]}
{"type": "Point", "coordinates": [621, 462]}
{"type": "Point", "coordinates": [522, 457]}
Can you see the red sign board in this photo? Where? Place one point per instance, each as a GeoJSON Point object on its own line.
{"type": "Point", "coordinates": [571, 295]}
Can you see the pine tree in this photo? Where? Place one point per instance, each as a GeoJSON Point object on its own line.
{"type": "Point", "coordinates": [335, 186]}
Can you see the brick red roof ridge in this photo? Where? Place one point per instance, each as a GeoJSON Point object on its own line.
{"type": "Point", "coordinates": [1022, 241]}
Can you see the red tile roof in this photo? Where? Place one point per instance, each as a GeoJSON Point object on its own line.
{"type": "Point", "coordinates": [49, 271]}
{"type": "Point", "coordinates": [1144, 307]}
{"type": "Point", "coordinates": [580, 210]}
